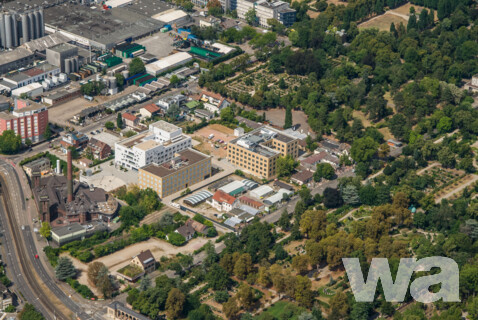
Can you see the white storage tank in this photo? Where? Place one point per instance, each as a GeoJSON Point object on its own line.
{"type": "Point", "coordinates": [62, 77]}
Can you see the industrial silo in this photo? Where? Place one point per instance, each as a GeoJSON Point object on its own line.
{"type": "Point", "coordinates": [38, 19]}
{"type": "Point", "coordinates": [112, 82]}
{"type": "Point", "coordinates": [68, 64]}
{"type": "Point", "coordinates": [2, 30]}
{"type": "Point", "coordinates": [15, 36]}
{"type": "Point", "coordinates": [25, 28]}
{"type": "Point", "coordinates": [42, 22]}
{"type": "Point", "coordinates": [75, 67]}
{"type": "Point", "coordinates": [125, 74]}
{"type": "Point", "coordinates": [31, 25]}
{"type": "Point", "coordinates": [8, 30]}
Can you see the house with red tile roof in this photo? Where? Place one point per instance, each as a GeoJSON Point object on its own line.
{"type": "Point", "coordinates": [251, 203]}
{"type": "Point", "coordinates": [130, 120]}
{"type": "Point", "coordinates": [213, 102]}
{"type": "Point", "coordinates": [222, 201]}
{"type": "Point", "coordinates": [149, 110]}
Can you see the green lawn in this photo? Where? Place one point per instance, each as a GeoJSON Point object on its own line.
{"type": "Point", "coordinates": [284, 308]}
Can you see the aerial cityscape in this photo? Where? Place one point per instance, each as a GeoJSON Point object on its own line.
{"type": "Point", "coordinates": [239, 159]}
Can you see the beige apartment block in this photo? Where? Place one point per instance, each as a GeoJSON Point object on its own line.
{"type": "Point", "coordinates": [257, 152]}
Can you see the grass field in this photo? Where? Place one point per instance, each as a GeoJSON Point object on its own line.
{"type": "Point", "coordinates": [383, 22]}
{"type": "Point", "coordinates": [282, 307]}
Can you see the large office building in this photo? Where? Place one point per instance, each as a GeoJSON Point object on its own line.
{"type": "Point", "coordinates": [257, 152]}
{"type": "Point", "coordinates": [265, 10]}
{"type": "Point", "coordinates": [187, 168]}
{"type": "Point", "coordinates": [28, 120]}
{"type": "Point", "coordinates": [156, 145]}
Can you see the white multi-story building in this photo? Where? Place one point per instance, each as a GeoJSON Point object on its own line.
{"type": "Point", "coordinates": [156, 145]}
{"type": "Point", "coordinates": [265, 10]}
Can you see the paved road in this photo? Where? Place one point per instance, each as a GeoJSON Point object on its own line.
{"type": "Point", "coordinates": [46, 278]}
{"type": "Point", "coordinates": [274, 217]}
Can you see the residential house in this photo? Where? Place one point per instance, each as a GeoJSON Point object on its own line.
{"type": "Point", "coordinates": [166, 102]}
{"type": "Point", "coordinates": [321, 157]}
{"type": "Point", "coordinates": [302, 177]}
{"type": "Point", "coordinates": [130, 120]}
{"type": "Point", "coordinates": [222, 201]}
{"type": "Point", "coordinates": [214, 102]}
{"type": "Point", "coordinates": [149, 111]}
{"type": "Point", "coordinates": [394, 143]}
{"type": "Point", "coordinates": [145, 261]}
{"type": "Point", "coordinates": [203, 114]}
{"type": "Point", "coordinates": [99, 149]}
{"type": "Point", "coordinates": [76, 140]}
{"type": "Point", "coordinates": [335, 148]}
{"type": "Point", "coordinates": [187, 231]}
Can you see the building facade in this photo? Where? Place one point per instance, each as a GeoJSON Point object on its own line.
{"type": "Point", "coordinates": [265, 10]}
{"type": "Point", "coordinates": [28, 120]}
{"type": "Point", "coordinates": [257, 152]}
{"type": "Point", "coordinates": [65, 56]}
{"type": "Point", "coordinates": [145, 261]}
{"type": "Point", "coordinates": [158, 144]}
{"type": "Point", "coordinates": [187, 168]}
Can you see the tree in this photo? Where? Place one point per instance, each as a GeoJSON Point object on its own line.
{"type": "Point", "coordinates": [301, 263]}
{"type": "Point", "coordinates": [230, 308]}
{"type": "Point", "coordinates": [175, 80]}
{"type": "Point", "coordinates": [350, 195]}
{"type": "Point", "coordinates": [303, 293]}
{"type": "Point", "coordinates": [176, 239]}
{"type": "Point", "coordinates": [217, 277]}
{"type": "Point", "coordinates": [313, 223]}
{"type": "Point", "coordinates": [93, 271]}
{"type": "Point", "coordinates": [245, 296]}
{"type": "Point", "coordinates": [214, 8]}
{"type": "Point", "coordinates": [175, 303]}
{"type": "Point", "coordinates": [243, 266]}
{"type": "Point", "coordinates": [446, 157]}
{"type": "Point", "coordinates": [119, 80]}
{"type": "Point", "coordinates": [284, 221]}
{"type": "Point", "coordinates": [288, 118]}
{"type": "Point", "coordinates": [473, 308]}
{"type": "Point", "coordinates": [145, 283]}
{"type": "Point", "coordinates": [45, 230]}
{"type": "Point", "coordinates": [264, 277]}
{"type": "Point", "coordinates": [363, 149]}
{"type": "Point", "coordinates": [444, 125]}
{"type": "Point", "coordinates": [30, 313]}
{"type": "Point", "coordinates": [119, 120]}
{"type": "Point", "coordinates": [10, 143]}
{"type": "Point", "coordinates": [251, 17]}
{"type": "Point", "coordinates": [324, 170]}
{"type": "Point", "coordinates": [339, 304]}
{"type": "Point", "coordinates": [173, 112]}
{"type": "Point", "coordinates": [104, 283]}
{"type": "Point", "coordinates": [136, 66]}
{"type": "Point", "coordinates": [227, 115]}
{"type": "Point", "coordinates": [65, 269]}
{"type": "Point", "coordinates": [332, 198]}
{"type": "Point", "coordinates": [47, 134]}
{"type": "Point", "coordinates": [285, 165]}
{"type": "Point", "coordinates": [109, 125]}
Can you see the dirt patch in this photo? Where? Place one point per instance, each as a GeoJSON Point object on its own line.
{"type": "Point", "coordinates": [337, 2]}
{"type": "Point", "coordinates": [383, 22]}
{"type": "Point", "coordinates": [213, 146]}
{"type": "Point", "coordinates": [405, 9]}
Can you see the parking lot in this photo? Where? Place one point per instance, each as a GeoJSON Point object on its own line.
{"type": "Point", "coordinates": [159, 44]}
{"type": "Point", "coordinates": [110, 178]}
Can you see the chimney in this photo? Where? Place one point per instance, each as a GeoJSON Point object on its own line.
{"type": "Point", "coordinates": [69, 176]}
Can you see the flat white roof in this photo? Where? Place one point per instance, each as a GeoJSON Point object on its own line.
{"type": "Point", "coordinates": [117, 3]}
{"type": "Point", "coordinates": [170, 15]}
{"type": "Point", "coordinates": [167, 62]}
{"type": "Point", "coordinates": [222, 48]}
{"type": "Point", "coordinates": [27, 88]}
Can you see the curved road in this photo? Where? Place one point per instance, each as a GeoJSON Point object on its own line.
{"type": "Point", "coordinates": [20, 258]}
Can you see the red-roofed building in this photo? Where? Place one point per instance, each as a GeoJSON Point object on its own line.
{"type": "Point", "coordinates": [99, 149]}
{"type": "Point", "coordinates": [251, 203]}
{"type": "Point", "coordinates": [214, 102]}
{"type": "Point", "coordinates": [223, 201]}
{"type": "Point", "coordinates": [130, 120]}
{"type": "Point", "coordinates": [149, 110]}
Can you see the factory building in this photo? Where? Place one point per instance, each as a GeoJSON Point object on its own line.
{"type": "Point", "coordinates": [167, 63]}
{"type": "Point", "coordinates": [65, 56]}
{"type": "Point", "coordinates": [28, 120]}
{"type": "Point", "coordinates": [156, 145]}
{"type": "Point", "coordinates": [18, 28]}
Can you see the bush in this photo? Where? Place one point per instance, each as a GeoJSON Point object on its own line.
{"type": "Point", "coordinates": [176, 239]}
{"type": "Point", "coordinates": [83, 290]}
{"type": "Point", "coordinates": [52, 255]}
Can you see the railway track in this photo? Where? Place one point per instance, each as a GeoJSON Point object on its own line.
{"type": "Point", "coordinates": [28, 271]}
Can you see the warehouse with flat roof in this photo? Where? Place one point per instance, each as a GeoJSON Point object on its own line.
{"type": "Point", "coordinates": [167, 63]}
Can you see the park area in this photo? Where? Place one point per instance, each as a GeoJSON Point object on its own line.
{"type": "Point", "coordinates": [213, 146]}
